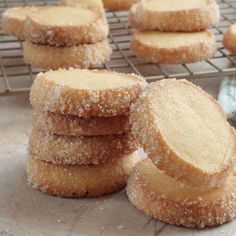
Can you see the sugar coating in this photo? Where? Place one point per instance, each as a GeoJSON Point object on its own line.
{"type": "Point", "coordinates": [66, 35]}
{"type": "Point", "coordinates": [194, 210]}
{"type": "Point", "coordinates": [76, 126]}
{"type": "Point", "coordinates": [49, 96]}
{"type": "Point", "coordinates": [80, 180]}
{"type": "Point", "coordinates": [190, 20]}
{"type": "Point", "coordinates": [86, 56]}
{"type": "Point", "coordinates": [145, 129]}
{"type": "Point", "coordinates": [81, 150]}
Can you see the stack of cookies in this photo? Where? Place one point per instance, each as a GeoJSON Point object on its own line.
{"type": "Point", "coordinates": [81, 143]}
{"type": "Point", "coordinates": [189, 178]}
{"type": "Point", "coordinates": [174, 33]}
{"type": "Point", "coordinates": [64, 36]}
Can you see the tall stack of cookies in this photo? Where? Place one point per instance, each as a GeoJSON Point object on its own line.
{"type": "Point", "coordinates": [81, 143]}
{"type": "Point", "coordinates": [170, 32]}
{"type": "Point", "coordinates": [189, 177]}
{"type": "Point", "coordinates": [64, 36]}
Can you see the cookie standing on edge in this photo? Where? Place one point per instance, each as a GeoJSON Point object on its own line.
{"type": "Point", "coordinates": [119, 5]}
{"type": "Point", "coordinates": [173, 48]}
{"type": "Point", "coordinates": [173, 15]}
{"type": "Point", "coordinates": [185, 133]}
{"type": "Point", "coordinates": [86, 56]}
{"type": "Point", "coordinates": [229, 40]}
{"type": "Point", "coordinates": [86, 93]}
{"type": "Point", "coordinates": [65, 26]}
{"type": "Point", "coordinates": [80, 180]}
{"type": "Point", "coordinates": [165, 199]}
{"type": "Point", "coordinates": [13, 20]}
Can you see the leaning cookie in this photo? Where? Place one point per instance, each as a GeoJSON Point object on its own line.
{"type": "Point", "coordinates": [230, 39]}
{"type": "Point", "coordinates": [65, 26]}
{"type": "Point", "coordinates": [173, 48]}
{"type": "Point", "coordinates": [77, 126]}
{"type": "Point", "coordinates": [171, 16]}
{"type": "Point", "coordinates": [70, 150]}
{"type": "Point", "coordinates": [118, 5]}
{"type": "Point", "coordinates": [86, 56]}
{"type": "Point", "coordinates": [165, 199]}
{"type": "Point", "coordinates": [80, 180]}
{"type": "Point", "coordinates": [13, 20]}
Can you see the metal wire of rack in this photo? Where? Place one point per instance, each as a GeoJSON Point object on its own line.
{"type": "Point", "coordinates": [17, 77]}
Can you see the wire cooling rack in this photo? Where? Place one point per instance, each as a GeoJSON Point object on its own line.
{"type": "Point", "coordinates": [17, 77]}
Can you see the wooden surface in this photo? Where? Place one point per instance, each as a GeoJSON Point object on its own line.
{"type": "Point", "coordinates": [25, 211]}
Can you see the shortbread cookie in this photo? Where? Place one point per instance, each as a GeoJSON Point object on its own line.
{"type": "Point", "coordinates": [230, 39]}
{"type": "Point", "coordinates": [174, 48]}
{"type": "Point", "coordinates": [95, 150]}
{"type": "Point", "coordinates": [13, 20]}
{"type": "Point", "coordinates": [185, 132]}
{"type": "Point", "coordinates": [65, 26]}
{"type": "Point", "coordinates": [86, 56]}
{"type": "Point", "coordinates": [85, 93]}
{"type": "Point", "coordinates": [173, 15]}
{"type": "Point", "coordinates": [165, 199]}
{"type": "Point", "coordinates": [80, 180]}
{"type": "Point", "coordinates": [76, 126]}
{"type": "Point", "coordinates": [118, 5]}
{"type": "Point", "coordinates": [92, 4]}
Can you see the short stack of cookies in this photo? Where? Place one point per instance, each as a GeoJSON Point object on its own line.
{"type": "Point", "coordinates": [170, 32]}
{"type": "Point", "coordinates": [189, 177]}
{"type": "Point", "coordinates": [81, 143]}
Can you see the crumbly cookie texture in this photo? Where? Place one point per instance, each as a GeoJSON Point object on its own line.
{"type": "Point", "coordinates": [173, 16]}
{"type": "Point", "coordinates": [86, 93]}
{"type": "Point", "coordinates": [77, 126]}
{"type": "Point", "coordinates": [118, 5]}
{"type": "Point", "coordinates": [173, 48]}
{"type": "Point", "coordinates": [70, 150]}
{"type": "Point", "coordinates": [85, 56]}
{"type": "Point", "coordinates": [80, 180]}
{"type": "Point", "coordinates": [13, 20]}
{"type": "Point", "coordinates": [185, 132]}
{"type": "Point", "coordinates": [229, 40]}
{"type": "Point", "coordinates": [65, 26]}
{"type": "Point", "coordinates": [165, 199]}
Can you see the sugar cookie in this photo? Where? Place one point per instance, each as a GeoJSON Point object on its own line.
{"type": "Point", "coordinates": [174, 48]}
{"type": "Point", "coordinates": [173, 15]}
{"type": "Point", "coordinates": [118, 5]}
{"type": "Point", "coordinates": [86, 56]}
{"type": "Point", "coordinates": [230, 39]}
{"type": "Point", "coordinates": [80, 180]}
{"type": "Point", "coordinates": [165, 199]}
{"type": "Point", "coordinates": [185, 132]}
{"type": "Point", "coordinates": [65, 26]}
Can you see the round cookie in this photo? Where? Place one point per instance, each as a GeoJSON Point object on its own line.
{"type": "Point", "coordinates": [65, 26]}
{"type": "Point", "coordinates": [173, 15]}
{"type": "Point", "coordinates": [229, 40]}
{"type": "Point", "coordinates": [77, 126]}
{"type": "Point", "coordinates": [80, 180]}
{"type": "Point", "coordinates": [86, 93]}
{"type": "Point", "coordinates": [119, 5]}
{"type": "Point", "coordinates": [13, 20]}
{"type": "Point", "coordinates": [165, 199]}
{"type": "Point", "coordinates": [71, 150]}
{"type": "Point", "coordinates": [85, 56]}
{"type": "Point", "coordinates": [185, 132]}
{"type": "Point", "coordinates": [173, 48]}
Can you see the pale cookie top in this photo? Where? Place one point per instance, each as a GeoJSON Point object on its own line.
{"type": "Point", "coordinates": [174, 5]}
{"type": "Point", "coordinates": [89, 3]}
{"type": "Point", "coordinates": [90, 80]}
{"type": "Point", "coordinates": [164, 185]}
{"type": "Point", "coordinates": [19, 12]}
{"type": "Point", "coordinates": [172, 40]}
{"type": "Point", "coordinates": [64, 16]}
